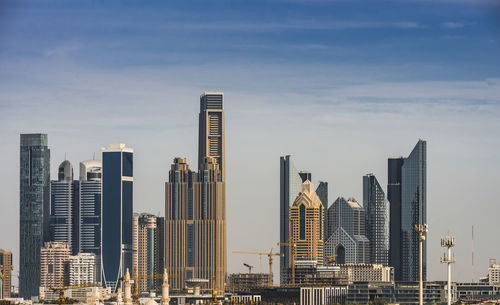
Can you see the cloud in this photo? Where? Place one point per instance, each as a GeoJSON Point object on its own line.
{"type": "Point", "coordinates": [63, 50]}
{"type": "Point", "coordinates": [452, 25]}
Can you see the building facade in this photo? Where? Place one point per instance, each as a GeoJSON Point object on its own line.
{"type": "Point", "coordinates": [90, 195]}
{"type": "Point", "coordinates": [366, 272]}
{"type": "Point", "coordinates": [145, 246]}
{"type": "Point", "coordinates": [34, 189]}
{"type": "Point", "coordinates": [54, 264]}
{"type": "Point", "coordinates": [5, 273]}
{"type": "Point", "coordinates": [212, 132]}
{"type": "Point", "coordinates": [290, 187]}
{"type": "Point", "coordinates": [82, 268]}
{"type": "Point", "coordinates": [195, 226]}
{"type": "Point", "coordinates": [64, 208]}
{"type": "Point", "coordinates": [377, 220]}
{"type": "Point", "coordinates": [306, 225]}
{"type": "Point", "coordinates": [322, 192]}
{"type": "Point", "coordinates": [413, 211]}
{"type": "Point", "coordinates": [117, 209]}
{"type": "Point", "coordinates": [346, 227]}
{"type": "Point", "coordinates": [394, 166]}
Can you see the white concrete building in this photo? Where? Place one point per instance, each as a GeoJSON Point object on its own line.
{"type": "Point", "coordinates": [367, 272]}
{"type": "Point", "coordinates": [82, 268]}
{"type": "Point", "coordinates": [494, 273]}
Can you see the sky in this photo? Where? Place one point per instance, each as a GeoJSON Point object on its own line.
{"type": "Point", "coordinates": [339, 85]}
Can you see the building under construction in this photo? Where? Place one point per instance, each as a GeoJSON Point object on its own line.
{"type": "Point", "coordinates": [245, 281]}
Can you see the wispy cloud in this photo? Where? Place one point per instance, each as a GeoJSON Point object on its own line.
{"type": "Point", "coordinates": [453, 25]}
{"type": "Point", "coordinates": [63, 50]}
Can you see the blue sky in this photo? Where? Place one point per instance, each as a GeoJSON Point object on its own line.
{"type": "Point", "coordinates": [340, 85]}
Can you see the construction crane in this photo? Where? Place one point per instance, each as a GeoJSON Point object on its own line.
{"type": "Point", "coordinates": [62, 288]}
{"type": "Point", "coordinates": [269, 256]}
{"type": "Point", "coordinates": [331, 259]}
{"type": "Point", "coordinates": [249, 268]}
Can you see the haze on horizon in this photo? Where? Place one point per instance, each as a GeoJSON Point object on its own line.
{"type": "Point", "coordinates": [339, 85]}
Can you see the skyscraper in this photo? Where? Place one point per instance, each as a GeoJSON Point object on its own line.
{"type": "Point", "coordinates": [90, 210]}
{"type": "Point", "coordinates": [195, 226]}
{"type": "Point", "coordinates": [306, 224]}
{"type": "Point", "coordinates": [117, 209]}
{"type": "Point", "coordinates": [145, 244]}
{"type": "Point", "coordinates": [346, 227]}
{"type": "Point", "coordinates": [34, 189]}
{"type": "Point", "coordinates": [322, 191]}
{"type": "Point", "coordinates": [290, 187]}
{"type": "Point", "coordinates": [64, 208]}
{"type": "Point", "coordinates": [377, 220]}
{"type": "Point", "coordinates": [211, 141]}
{"type": "Point", "coordinates": [394, 197]}
{"type": "Point", "coordinates": [413, 211]}
{"type": "Point", "coordinates": [407, 189]}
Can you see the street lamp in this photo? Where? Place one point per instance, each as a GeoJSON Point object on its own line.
{"type": "Point", "coordinates": [448, 242]}
{"type": "Point", "coordinates": [421, 229]}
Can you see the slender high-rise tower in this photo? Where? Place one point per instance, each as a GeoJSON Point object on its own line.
{"type": "Point", "coordinates": [394, 197]}
{"type": "Point", "coordinates": [117, 209]}
{"type": "Point", "coordinates": [290, 187]}
{"type": "Point", "coordinates": [211, 141]}
{"type": "Point", "coordinates": [322, 191]}
{"type": "Point", "coordinates": [34, 189]}
{"type": "Point", "coordinates": [413, 211]}
{"type": "Point", "coordinates": [406, 190]}
{"type": "Point", "coordinates": [377, 220]}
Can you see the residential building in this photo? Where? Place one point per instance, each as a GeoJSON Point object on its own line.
{"type": "Point", "coordinates": [195, 227]}
{"type": "Point", "coordinates": [117, 206]}
{"type": "Point", "coordinates": [212, 133]}
{"type": "Point", "coordinates": [54, 263]}
{"type": "Point", "coordinates": [34, 190]}
{"type": "Point", "coordinates": [346, 228]}
{"type": "Point", "coordinates": [306, 225]}
{"type": "Point", "coordinates": [322, 192]}
{"type": "Point", "coordinates": [5, 273]}
{"type": "Point", "coordinates": [145, 245]}
{"type": "Point", "coordinates": [494, 273]}
{"type": "Point", "coordinates": [290, 187]}
{"type": "Point", "coordinates": [64, 208]}
{"type": "Point", "coordinates": [377, 220]}
{"type": "Point", "coordinates": [83, 268]}
{"type": "Point", "coordinates": [366, 272]}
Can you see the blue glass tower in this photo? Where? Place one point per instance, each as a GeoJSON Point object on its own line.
{"type": "Point", "coordinates": [34, 189]}
{"type": "Point", "coordinates": [117, 207]}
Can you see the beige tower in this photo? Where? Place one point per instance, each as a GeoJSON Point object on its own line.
{"type": "Point", "coordinates": [5, 273]}
{"type": "Point", "coordinates": [54, 263]}
{"type": "Point", "coordinates": [211, 141]}
{"type": "Point", "coordinates": [195, 227]}
{"type": "Point", "coordinates": [144, 243]}
{"type": "Point", "coordinates": [306, 225]}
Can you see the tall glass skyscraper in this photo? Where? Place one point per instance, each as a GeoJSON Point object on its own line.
{"type": "Point", "coordinates": [90, 210]}
{"type": "Point", "coordinates": [377, 220]}
{"type": "Point", "coordinates": [290, 187]}
{"type": "Point", "coordinates": [64, 208]}
{"type": "Point", "coordinates": [413, 211]}
{"type": "Point", "coordinates": [322, 191]}
{"type": "Point", "coordinates": [34, 201]}
{"type": "Point", "coordinates": [117, 210]}
{"type": "Point", "coordinates": [407, 189]}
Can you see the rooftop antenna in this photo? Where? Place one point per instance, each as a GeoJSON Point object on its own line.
{"type": "Point", "coordinates": [473, 253]}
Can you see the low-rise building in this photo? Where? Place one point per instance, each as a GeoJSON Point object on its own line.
{"type": "Point", "coordinates": [366, 272]}
{"type": "Point", "coordinates": [5, 273]}
{"type": "Point", "coordinates": [494, 273]}
{"type": "Point", "coordinates": [241, 281]}
{"type": "Point", "coordinates": [323, 295]}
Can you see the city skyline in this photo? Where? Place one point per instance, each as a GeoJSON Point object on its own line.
{"type": "Point", "coordinates": [354, 103]}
